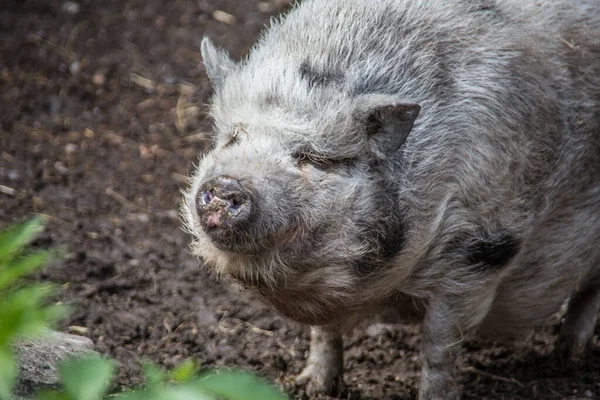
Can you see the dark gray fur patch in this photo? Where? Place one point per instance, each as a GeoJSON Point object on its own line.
{"type": "Point", "coordinates": [393, 242]}
{"type": "Point", "coordinates": [389, 243]}
{"type": "Point", "coordinates": [315, 77]}
{"type": "Point", "coordinates": [387, 232]}
{"type": "Point", "coordinates": [494, 252]}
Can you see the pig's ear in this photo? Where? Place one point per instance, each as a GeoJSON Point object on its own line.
{"type": "Point", "coordinates": [217, 62]}
{"type": "Point", "coordinates": [388, 123]}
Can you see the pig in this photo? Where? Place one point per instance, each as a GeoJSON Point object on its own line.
{"type": "Point", "coordinates": [437, 160]}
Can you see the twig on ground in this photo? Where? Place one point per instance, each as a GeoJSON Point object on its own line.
{"type": "Point", "coordinates": [191, 139]}
{"type": "Point", "coordinates": [256, 329]}
{"type": "Point", "coordinates": [7, 157]}
{"type": "Point", "coordinates": [493, 376]}
{"type": "Point", "coordinates": [45, 44]}
{"type": "Point", "coordinates": [53, 218]}
{"type": "Point", "coordinates": [7, 190]}
{"type": "Point", "coordinates": [121, 199]}
{"type": "Point", "coordinates": [142, 81]}
{"type": "Point", "coordinates": [81, 330]}
{"type": "Point", "coordinates": [238, 322]}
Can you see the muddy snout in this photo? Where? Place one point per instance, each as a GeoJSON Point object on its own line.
{"type": "Point", "coordinates": [223, 206]}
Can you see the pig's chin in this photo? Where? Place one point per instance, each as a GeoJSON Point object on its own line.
{"type": "Point", "coordinates": [243, 248]}
{"type": "Point", "coordinates": [280, 276]}
{"type": "Point", "coordinates": [314, 298]}
{"type": "Point", "coordinates": [254, 244]}
{"type": "Point", "coordinates": [318, 304]}
{"type": "Point", "coordinates": [240, 243]}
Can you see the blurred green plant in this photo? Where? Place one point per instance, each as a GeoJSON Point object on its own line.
{"type": "Point", "coordinates": [23, 308]}
{"type": "Point", "coordinates": [89, 379]}
{"type": "Point", "coordinates": [24, 312]}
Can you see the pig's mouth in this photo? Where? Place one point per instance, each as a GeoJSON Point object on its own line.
{"type": "Point", "coordinates": [245, 242]}
{"type": "Point", "coordinates": [251, 266]}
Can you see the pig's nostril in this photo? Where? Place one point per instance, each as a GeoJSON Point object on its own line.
{"type": "Point", "coordinates": [234, 203]}
{"type": "Point", "coordinates": [207, 196]}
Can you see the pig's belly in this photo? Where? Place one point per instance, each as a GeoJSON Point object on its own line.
{"type": "Point", "coordinates": [522, 302]}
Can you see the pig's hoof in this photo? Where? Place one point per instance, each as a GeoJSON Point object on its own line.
{"type": "Point", "coordinates": [320, 381]}
{"type": "Point", "coordinates": [436, 395]}
{"type": "Point", "coordinates": [438, 389]}
{"type": "Point", "coordinates": [571, 349]}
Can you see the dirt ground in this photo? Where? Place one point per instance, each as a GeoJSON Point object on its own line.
{"type": "Point", "coordinates": [101, 118]}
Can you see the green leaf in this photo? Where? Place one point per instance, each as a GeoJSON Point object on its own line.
{"type": "Point", "coordinates": [52, 396]}
{"type": "Point", "coordinates": [182, 392]}
{"type": "Point", "coordinates": [86, 378]}
{"type": "Point", "coordinates": [14, 238]}
{"type": "Point", "coordinates": [186, 393]}
{"type": "Point", "coordinates": [8, 373]}
{"type": "Point", "coordinates": [235, 385]}
{"type": "Point", "coordinates": [23, 313]}
{"type": "Point", "coordinates": [183, 372]}
{"type": "Point", "coordinates": [23, 266]}
{"type": "Point", "coordinates": [153, 375]}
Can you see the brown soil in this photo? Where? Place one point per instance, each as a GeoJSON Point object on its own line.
{"type": "Point", "coordinates": [101, 118]}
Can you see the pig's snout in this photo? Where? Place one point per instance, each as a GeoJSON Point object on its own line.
{"type": "Point", "coordinates": [223, 204]}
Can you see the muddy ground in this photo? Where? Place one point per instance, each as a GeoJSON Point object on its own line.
{"type": "Point", "coordinates": [102, 113]}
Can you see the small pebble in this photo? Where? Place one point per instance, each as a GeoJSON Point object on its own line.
{"type": "Point", "coordinates": [61, 168]}
{"type": "Point", "coordinates": [98, 79]}
{"type": "Point", "coordinates": [75, 67]}
{"type": "Point", "coordinates": [265, 6]}
{"type": "Point", "coordinates": [139, 217]}
{"type": "Point", "coordinates": [160, 21]}
{"type": "Point", "coordinates": [169, 79]}
{"type": "Point", "coordinates": [70, 148]}
{"type": "Point", "coordinates": [71, 7]}
{"type": "Point", "coordinates": [224, 17]}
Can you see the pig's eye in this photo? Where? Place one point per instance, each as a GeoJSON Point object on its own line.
{"type": "Point", "coordinates": [320, 162]}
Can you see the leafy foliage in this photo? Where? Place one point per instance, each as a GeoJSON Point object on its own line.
{"type": "Point", "coordinates": [24, 312]}
{"type": "Point", "coordinates": [23, 309]}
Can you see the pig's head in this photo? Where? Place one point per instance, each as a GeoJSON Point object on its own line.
{"type": "Point", "coordinates": [294, 199]}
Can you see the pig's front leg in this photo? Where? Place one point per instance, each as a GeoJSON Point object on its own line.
{"type": "Point", "coordinates": [441, 339]}
{"type": "Point", "coordinates": [324, 369]}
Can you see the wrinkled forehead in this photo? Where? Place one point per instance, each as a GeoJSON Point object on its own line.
{"type": "Point", "coordinates": [289, 130]}
{"type": "Point", "coordinates": [275, 102]}
{"type": "Point", "coordinates": [259, 117]}
{"type": "Point", "coordinates": [258, 134]}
